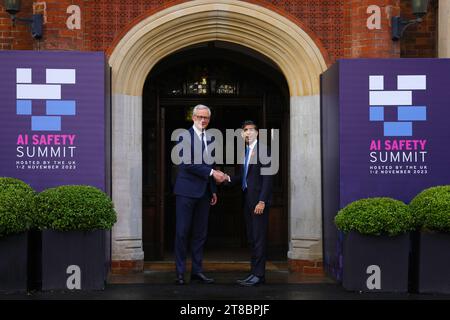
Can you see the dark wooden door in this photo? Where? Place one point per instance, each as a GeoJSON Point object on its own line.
{"type": "Point", "coordinates": [226, 220]}
{"type": "Point", "coordinates": [226, 224]}
{"type": "Point", "coordinates": [236, 87]}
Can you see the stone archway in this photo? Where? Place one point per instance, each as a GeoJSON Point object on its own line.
{"type": "Point", "coordinates": [285, 42]}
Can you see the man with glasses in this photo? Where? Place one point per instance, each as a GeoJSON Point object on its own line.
{"type": "Point", "coordinates": [195, 191]}
{"type": "Point", "coordinates": [257, 191]}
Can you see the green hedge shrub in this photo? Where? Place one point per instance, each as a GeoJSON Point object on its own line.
{"type": "Point", "coordinates": [376, 216]}
{"type": "Point", "coordinates": [16, 206]}
{"type": "Point", "coordinates": [81, 208]}
{"type": "Point", "coordinates": [431, 209]}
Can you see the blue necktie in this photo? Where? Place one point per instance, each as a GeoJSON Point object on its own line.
{"type": "Point", "coordinates": [244, 176]}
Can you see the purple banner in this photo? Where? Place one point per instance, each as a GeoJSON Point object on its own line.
{"type": "Point", "coordinates": [394, 132]}
{"type": "Point", "coordinates": [52, 125]}
{"type": "Point", "coordinates": [385, 133]}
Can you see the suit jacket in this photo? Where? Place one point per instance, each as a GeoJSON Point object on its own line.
{"type": "Point", "coordinates": [259, 187]}
{"type": "Point", "coordinates": [193, 179]}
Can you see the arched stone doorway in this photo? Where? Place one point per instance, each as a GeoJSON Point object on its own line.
{"type": "Point", "coordinates": [283, 41]}
{"type": "Point", "coordinates": [237, 84]}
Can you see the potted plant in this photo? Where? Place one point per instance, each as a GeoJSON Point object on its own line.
{"type": "Point", "coordinates": [74, 220]}
{"type": "Point", "coordinates": [16, 205]}
{"type": "Point", "coordinates": [376, 244]}
{"type": "Point", "coordinates": [431, 210]}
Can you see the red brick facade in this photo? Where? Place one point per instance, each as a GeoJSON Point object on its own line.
{"type": "Point", "coordinates": [18, 37]}
{"type": "Point", "coordinates": [362, 42]}
{"type": "Point", "coordinates": [306, 267]}
{"type": "Point", "coordinates": [126, 267]}
{"type": "Point", "coordinates": [57, 35]}
{"type": "Point", "coordinates": [339, 25]}
{"type": "Point", "coordinates": [420, 40]}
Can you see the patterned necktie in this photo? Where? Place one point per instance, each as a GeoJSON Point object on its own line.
{"type": "Point", "coordinates": [204, 154]}
{"type": "Point", "coordinates": [202, 136]}
{"type": "Point", "coordinates": [244, 176]}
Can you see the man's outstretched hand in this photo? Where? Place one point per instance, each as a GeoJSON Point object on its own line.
{"type": "Point", "coordinates": [219, 176]}
{"type": "Point", "coordinates": [213, 199]}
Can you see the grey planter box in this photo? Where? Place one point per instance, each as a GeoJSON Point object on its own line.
{"type": "Point", "coordinates": [73, 260]}
{"type": "Point", "coordinates": [376, 263]}
{"type": "Point", "coordinates": [433, 252]}
{"type": "Point", "coordinates": [14, 263]}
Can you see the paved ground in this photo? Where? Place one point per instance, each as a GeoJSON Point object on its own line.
{"type": "Point", "coordinates": [281, 285]}
{"type": "Point", "coordinates": [284, 295]}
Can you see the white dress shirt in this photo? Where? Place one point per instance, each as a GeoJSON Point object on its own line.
{"type": "Point", "coordinates": [251, 147]}
{"type": "Point", "coordinates": [199, 134]}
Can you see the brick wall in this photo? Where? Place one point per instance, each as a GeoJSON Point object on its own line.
{"type": "Point", "coordinates": [420, 40]}
{"type": "Point", "coordinates": [339, 24]}
{"type": "Point", "coordinates": [325, 18]}
{"type": "Point", "coordinates": [127, 266]}
{"type": "Point", "coordinates": [306, 267]}
{"type": "Point", "coordinates": [16, 37]}
{"type": "Point", "coordinates": [362, 42]}
{"type": "Point", "coordinates": [56, 33]}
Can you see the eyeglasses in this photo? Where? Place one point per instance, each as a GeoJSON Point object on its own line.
{"type": "Point", "coordinates": [202, 118]}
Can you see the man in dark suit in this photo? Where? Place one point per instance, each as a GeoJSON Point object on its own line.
{"type": "Point", "coordinates": [195, 191]}
{"type": "Point", "coordinates": [257, 191]}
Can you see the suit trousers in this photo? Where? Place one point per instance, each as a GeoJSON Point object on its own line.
{"type": "Point", "coordinates": [257, 226]}
{"type": "Point", "coordinates": [191, 212]}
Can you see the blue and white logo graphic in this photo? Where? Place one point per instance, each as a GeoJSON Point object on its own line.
{"type": "Point", "coordinates": [401, 98]}
{"type": "Point", "coordinates": [50, 92]}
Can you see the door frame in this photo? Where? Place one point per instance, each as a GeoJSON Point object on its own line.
{"type": "Point", "coordinates": [166, 102]}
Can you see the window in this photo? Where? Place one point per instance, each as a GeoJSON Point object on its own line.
{"type": "Point", "coordinates": [202, 80]}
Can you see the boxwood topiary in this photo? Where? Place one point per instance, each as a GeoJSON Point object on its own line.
{"type": "Point", "coordinates": [431, 209]}
{"type": "Point", "coordinates": [376, 216]}
{"type": "Point", "coordinates": [16, 206]}
{"type": "Point", "coordinates": [74, 207]}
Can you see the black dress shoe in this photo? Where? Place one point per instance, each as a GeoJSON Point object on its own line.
{"type": "Point", "coordinates": [251, 275]}
{"type": "Point", "coordinates": [180, 279]}
{"type": "Point", "coordinates": [255, 281]}
{"type": "Point", "coordinates": [201, 278]}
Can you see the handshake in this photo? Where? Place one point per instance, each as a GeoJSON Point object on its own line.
{"type": "Point", "coordinates": [220, 177]}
